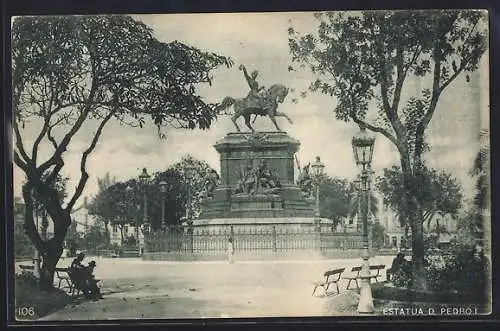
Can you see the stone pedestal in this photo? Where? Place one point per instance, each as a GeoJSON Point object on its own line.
{"type": "Point", "coordinates": [240, 152]}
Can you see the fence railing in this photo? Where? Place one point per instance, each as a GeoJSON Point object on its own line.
{"type": "Point", "coordinates": [277, 238]}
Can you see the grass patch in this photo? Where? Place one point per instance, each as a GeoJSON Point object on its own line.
{"type": "Point", "coordinates": [31, 303]}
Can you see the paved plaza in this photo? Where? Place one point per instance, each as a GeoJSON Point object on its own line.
{"type": "Point", "coordinates": [135, 289]}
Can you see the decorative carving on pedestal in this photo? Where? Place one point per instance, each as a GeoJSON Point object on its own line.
{"type": "Point", "coordinates": [256, 179]}
{"type": "Point", "coordinates": [211, 181]}
{"type": "Point", "coordinates": [257, 139]}
{"type": "Point", "coordinates": [305, 182]}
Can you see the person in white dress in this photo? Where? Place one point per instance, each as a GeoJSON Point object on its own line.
{"type": "Point", "coordinates": [230, 250]}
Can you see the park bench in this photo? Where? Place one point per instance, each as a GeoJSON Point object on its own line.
{"type": "Point", "coordinates": [331, 277]}
{"type": "Point", "coordinates": [356, 270]}
{"type": "Point", "coordinates": [27, 268]}
{"type": "Point", "coordinates": [63, 276]}
{"type": "Point", "coordinates": [130, 253]}
{"type": "Point", "coordinates": [73, 284]}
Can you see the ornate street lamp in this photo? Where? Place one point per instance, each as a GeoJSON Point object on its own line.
{"type": "Point", "coordinates": [129, 191]}
{"type": "Point", "coordinates": [144, 180]}
{"type": "Point", "coordinates": [362, 145]}
{"type": "Point", "coordinates": [163, 190]}
{"type": "Point", "coordinates": [317, 169]}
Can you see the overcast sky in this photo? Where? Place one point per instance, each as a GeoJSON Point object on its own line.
{"type": "Point", "coordinates": [260, 41]}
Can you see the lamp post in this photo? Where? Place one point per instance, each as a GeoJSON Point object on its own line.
{"type": "Point", "coordinates": [357, 187]}
{"type": "Point", "coordinates": [362, 145]}
{"type": "Point", "coordinates": [129, 194]}
{"type": "Point", "coordinates": [317, 167]}
{"type": "Point", "coordinates": [163, 190]}
{"type": "Point", "coordinates": [144, 180]}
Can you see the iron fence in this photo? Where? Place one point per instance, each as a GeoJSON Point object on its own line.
{"type": "Point", "coordinates": [271, 238]}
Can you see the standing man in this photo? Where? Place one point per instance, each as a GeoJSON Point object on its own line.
{"type": "Point", "coordinates": [230, 250]}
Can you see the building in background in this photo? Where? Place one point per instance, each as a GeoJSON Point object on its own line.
{"type": "Point", "coordinates": [128, 231]}
{"type": "Point", "coordinates": [394, 233]}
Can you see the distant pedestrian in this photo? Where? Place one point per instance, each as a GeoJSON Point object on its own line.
{"type": "Point", "coordinates": [230, 250]}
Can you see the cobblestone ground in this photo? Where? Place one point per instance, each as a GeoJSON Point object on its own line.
{"type": "Point", "coordinates": [135, 289]}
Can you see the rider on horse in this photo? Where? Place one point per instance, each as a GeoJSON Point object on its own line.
{"type": "Point", "coordinates": [259, 102]}
{"type": "Point", "coordinates": [257, 93]}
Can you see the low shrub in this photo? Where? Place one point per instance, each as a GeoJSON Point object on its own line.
{"type": "Point", "coordinates": [459, 268]}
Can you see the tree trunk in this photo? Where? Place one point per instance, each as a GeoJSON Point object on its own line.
{"type": "Point", "coordinates": [50, 250]}
{"type": "Point", "coordinates": [121, 235]}
{"type": "Point", "coordinates": [50, 259]}
{"type": "Point", "coordinates": [418, 250]}
{"type": "Point", "coordinates": [106, 231]}
{"type": "Point", "coordinates": [53, 250]}
{"type": "Point", "coordinates": [414, 217]}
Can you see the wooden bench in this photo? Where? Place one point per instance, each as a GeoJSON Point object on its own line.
{"type": "Point", "coordinates": [130, 253]}
{"type": "Point", "coordinates": [75, 286]}
{"type": "Point", "coordinates": [331, 277]}
{"type": "Point", "coordinates": [377, 268]}
{"type": "Point", "coordinates": [356, 270]}
{"type": "Point", "coordinates": [63, 275]}
{"type": "Point", "coordinates": [27, 268]}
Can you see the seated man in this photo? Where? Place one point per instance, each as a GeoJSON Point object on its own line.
{"type": "Point", "coordinates": [93, 290]}
{"type": "Point", "coordinates": [397, 264]}
{"type": "Point", "coordinates": [78, 273]}
{"type": "Point", "coordinates": [77, 262]}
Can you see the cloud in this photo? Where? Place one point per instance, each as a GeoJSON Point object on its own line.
{"type": "Point", "coordinates": [260, 41]}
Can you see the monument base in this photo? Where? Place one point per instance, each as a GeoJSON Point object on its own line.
{"type": "Point", "coordinates": [257, 179]}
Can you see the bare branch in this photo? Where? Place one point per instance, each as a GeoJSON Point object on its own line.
{"type": "Point", "coordinates": [20, 163]}
{"type": "Point", "coordinates": [402, 73]}
{"type": "Point", "coordinates": [74, 129]}
{"type": "Point", "coordinates": [377, 129]}
{"type": "Point", "coordinates": [436, 91]}
{"type": "Point", "coordinates": [84, 175]}
{"type": "Point", "coordinates": [20, 145]}
{"type": "Point", "coordinates": [46, 123]}
{"type": "Point", "coordinates": [459, 70]}
{"type": "Point", "coordinates": [390, 112]}
{"type": "Point", "coordinates": [51, 138]}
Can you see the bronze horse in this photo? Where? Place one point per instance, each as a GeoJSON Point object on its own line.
{"type": "Point", "coordinates": [264, 106]}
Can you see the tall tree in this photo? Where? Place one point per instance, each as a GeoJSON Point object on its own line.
{"type": "Point", "coordinates": [367, 57]}
{"type": "Point", "coordinates": [440, 194]}
{"type": "Point", "coordinates": [480, 171]}
{"type": "Point", "coordinates": [103, 184]}
{"type": "Point", "coordinates": [175, 199]}
{"type": "Point", "coordinates": [334, 198]}
{"type": "Point", "coordinates": [123, 203]}
{"type": "Point", "coordinates": [194, 173]}
{"type": "Point", "coordinates": [94, 239]}
{"type": "Point", "coordinates": [70, 71]}
{"type": "Point", "coordinates": [119, 205]}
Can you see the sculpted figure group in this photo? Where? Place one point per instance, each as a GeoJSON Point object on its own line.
{"type": "Point", "coordinates": [305, 181]}
{"type": "Point", "coordinates": [258, 179]}
{"type": "Point", "coordinates": [211, 182]}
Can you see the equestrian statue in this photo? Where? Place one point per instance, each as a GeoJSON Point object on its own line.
{"type": "Point", "coordinates": [259, 101]}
